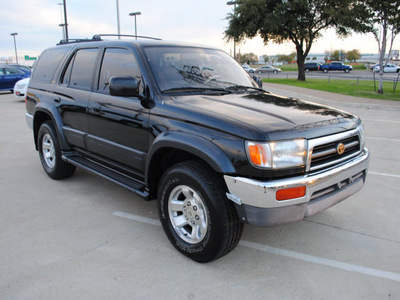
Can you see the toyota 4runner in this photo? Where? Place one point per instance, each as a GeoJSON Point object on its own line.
{"type": "Point", "coordinates": [186, 125]}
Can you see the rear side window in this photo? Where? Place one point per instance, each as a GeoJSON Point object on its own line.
{"type": "Point", "coordinates": [79, 72]}
{"type": "Point", "coordinates": [48, 63]}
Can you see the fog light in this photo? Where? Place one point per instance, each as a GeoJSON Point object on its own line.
{"type": "Point", "coordinates": [291, 193]}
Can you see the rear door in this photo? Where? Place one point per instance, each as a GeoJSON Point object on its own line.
{"type": "Point", "coordinates": [73, 92]}
{"type": "Point", "coordinates": [118, 126]}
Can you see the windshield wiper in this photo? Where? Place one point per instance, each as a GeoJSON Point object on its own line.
{"type": "Point", "coordinates": [244, 88]}
{"type": "Point", "coordinates": [196, 90]}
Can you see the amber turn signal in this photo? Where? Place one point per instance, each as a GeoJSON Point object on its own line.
{"type": "Point", "coordinates": [291, 193]}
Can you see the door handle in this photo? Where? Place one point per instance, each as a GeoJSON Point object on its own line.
{"type": "Point", "coordinates": [57, 100]}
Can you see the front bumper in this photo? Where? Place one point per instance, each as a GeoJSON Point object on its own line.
{"type": "Point", "coordinates": [256, 202]}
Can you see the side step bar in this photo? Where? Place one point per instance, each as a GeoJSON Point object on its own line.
{"type": "Point", "coordinates": [100, 170]}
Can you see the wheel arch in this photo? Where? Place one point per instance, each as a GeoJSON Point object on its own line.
{"type": "Point", "coordinates": [45, 113]}
{"type": "Point", "coordinates": [172, 148]}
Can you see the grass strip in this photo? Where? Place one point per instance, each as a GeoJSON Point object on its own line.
{"type": "Point", "coordinates": [364, 88]}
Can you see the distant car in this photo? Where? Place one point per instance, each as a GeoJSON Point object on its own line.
{"type": "Point", "coordinates": [249, 70]}
{"type": "Point", "coordinates": [373, 67]}
{"type": "Point", "coordinates": [268, 69]}
{"type": "Point", "coordinates": [9, 75]}
{"type": "Point", "coordinates": [20, 88]}
{"type": "Point", "coordinates": [387, 69]}
{"type": "Point", "coordinates": [312, 66]}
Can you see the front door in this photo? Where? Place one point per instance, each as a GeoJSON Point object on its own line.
{"type": "Point", "coordinates": [118, 126]}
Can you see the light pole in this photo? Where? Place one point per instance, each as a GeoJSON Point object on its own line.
{"type": "Point", "coordinates": [138, 13]}
{"type": "Point", "coordinates": [119, 30]}
{"type": "Point", "coordinates": [15, 46]}
{"type": "Point", "coordinates": [234, 39]}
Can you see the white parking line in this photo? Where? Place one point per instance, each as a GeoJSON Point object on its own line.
{"type": "Point", "coordinates": [383, 174]}
{"type": "Point", "coordinates": [380, 121]}
{"type": "Point", "coordinates": [382, 139]}
{"type": "Point", "coordinates": [287, 253]}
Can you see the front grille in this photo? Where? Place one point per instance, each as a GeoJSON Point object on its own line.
{"type": "Point", "coordinates": [324, 153]}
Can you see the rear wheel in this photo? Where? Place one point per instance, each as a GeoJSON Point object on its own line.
{"type": "Point", "coordinates": [198, 219]}
{"type": "Point", "coordinates": [50, 153]}
{"type": "Point", "coordinates": [325, 70]}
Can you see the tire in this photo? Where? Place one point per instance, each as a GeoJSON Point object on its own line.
{"type": "Point", "coordinates": [307, 70]}
{"type": "Point", "coordinates": [259, 72]}
{"type": "Point", "coordinates": [346, 70]}
{"type": "Point", "coordinates": [50, 153]}
{"type": "Point", "coordinates": [198, 219]}
{"type": "Point", "coordinates": [275, 71]}
{"type": "Point", "coordinates": [325, 70]}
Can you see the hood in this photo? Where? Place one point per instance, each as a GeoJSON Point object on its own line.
{"type": "Point", "coordinates": [265, 116]}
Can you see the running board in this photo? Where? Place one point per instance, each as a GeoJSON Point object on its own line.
{"type": "Point", "coordinates": [100, 170]}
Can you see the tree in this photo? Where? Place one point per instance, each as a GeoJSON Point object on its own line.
{"type": "Point", "coordinates": [386, 15]}
{"type": "Point", "coordinates": [266, 58]}
{"type": "Point", "coordinates": [284, 58]}
{"type": "Point", "coordinates": [249, 58]}
{"type": "Point", "coordinates": [337, 55]}
{"type": "Point", "coordinates": [298, 21]}
{"type": "Point", "coordinates": [353, 55]}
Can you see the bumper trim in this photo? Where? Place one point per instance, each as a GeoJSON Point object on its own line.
{"type": "Point", "coordinates": [325, 189]}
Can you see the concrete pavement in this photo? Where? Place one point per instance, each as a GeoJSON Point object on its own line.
{"type": "Point", "coordinates": [86, 238]}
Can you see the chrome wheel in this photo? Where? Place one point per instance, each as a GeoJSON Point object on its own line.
{"type": "Point", "coordinates": [48, 151]}
{"type": "Point", "coordinates": [188, 214]}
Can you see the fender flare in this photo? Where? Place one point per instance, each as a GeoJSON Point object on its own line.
{"type": "Point", "coordinates": [196, 145]}
{"type": "Point", "coordinates": [53, 113]}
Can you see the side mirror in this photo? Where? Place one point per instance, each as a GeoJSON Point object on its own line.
{"type": "Point", "coordinates": [258, 80]}
{"type": "Point", "coordinates": [124, 86]}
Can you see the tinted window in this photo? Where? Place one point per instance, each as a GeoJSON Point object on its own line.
{"type": "Point", "coordinates": [82, 68]}
{"type": "Point", "coordinates": [117, 62]}
{"type": "Point", "coordinates": [47, 64]}
{"type": "Point", "coordinates": [13, 71]}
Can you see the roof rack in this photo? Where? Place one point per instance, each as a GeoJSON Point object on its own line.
{"type": "Point", "coordinates": [70, 41]}
{"type": "Point", "coordinates": [98, 36]}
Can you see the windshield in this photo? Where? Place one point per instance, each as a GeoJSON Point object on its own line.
{"type": "Point", "coordinates": [184, 68]}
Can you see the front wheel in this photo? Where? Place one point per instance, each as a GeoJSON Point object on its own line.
{"type": "Point", "coordinates": [325, 70]}
{"type": "Point", "coordinates": [50, 153]}
{"type": "Point", "coordinates": [347, 71]}
{"type": "Point", "coordinates": [196, 216]}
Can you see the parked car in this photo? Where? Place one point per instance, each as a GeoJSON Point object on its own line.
{"type": "Point", "coordinates": [248, 69]}
{"type": "Point", "coordinates": [20, 88]}
{"type": "Point", "coordinates": [185, 125]}
{"type": "Point", "coordinates": [10, 75]}
{"type": "Point", "coordinates": [268, 69]}
{"type": "Point", "coordinates": [336, 66]}
{"type": "Point", "coordinates": [312, 66]}
{"type": "Point", "coordinates": [387, 69]}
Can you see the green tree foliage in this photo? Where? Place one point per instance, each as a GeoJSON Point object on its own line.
{"type": "Point", "coordinates": [298, 21]}
{"type": "Point", "coordinates": [353, 55]}
{"type": "Point", "coordinates": [248, 58]}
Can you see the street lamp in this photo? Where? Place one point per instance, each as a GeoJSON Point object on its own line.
{"type": "Point", "coordinates": [15, 46]}
{"type": "Point", "coordinates": [138, 13]}
{"type": "Point", "coordinates": [234, 39]}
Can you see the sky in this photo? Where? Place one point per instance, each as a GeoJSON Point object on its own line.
{"type": "Point", "coordinates": [201, 21]}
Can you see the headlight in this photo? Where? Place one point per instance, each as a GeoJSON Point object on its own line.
{"type": "Point", "coordinates": [361, 133]}
{"type": "Point", "coordinates": [277, 154]}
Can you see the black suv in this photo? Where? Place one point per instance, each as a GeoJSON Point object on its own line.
{"type": "Point", "coordinates": [312, 67]}
{"type": "Point", "coordinates": [186, 125]}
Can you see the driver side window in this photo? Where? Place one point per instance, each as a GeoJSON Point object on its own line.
{"type": "Point", "coordinates": [117, 62]}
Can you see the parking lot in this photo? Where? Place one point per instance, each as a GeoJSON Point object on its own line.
{"type": "Point", "coordinates": [86, 238]}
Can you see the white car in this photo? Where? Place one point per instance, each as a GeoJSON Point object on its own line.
{"type": "Point", "coordinates": [20, 88]}
{"type": "Point", "coordinates": [387, 69]}
{"type": "Point", "coordinates": [249, 70]}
